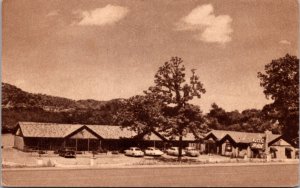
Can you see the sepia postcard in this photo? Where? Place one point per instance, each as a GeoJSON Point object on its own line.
{"type": "Point", "coordinates": [150, 93]}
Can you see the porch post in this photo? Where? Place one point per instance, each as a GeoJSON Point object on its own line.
{"type": "Point", "coordinates": [208, 152]}
{"type": "Point", "coordinates": [88, 144]}
{"type": "Point", "coordinates": [76, 143]}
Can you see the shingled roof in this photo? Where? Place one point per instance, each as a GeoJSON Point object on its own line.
{"type": "Point", "coordinates": [241, 137]}
{"type": "Point", "coordinates": [112, 132]}
{"type": "Point", "coordinates": [56, 130]}
{"type": "Point", "coordinates": [217, 133]}
{"type": "Point", "coordinates": [187, 137]}
{"type": "Point", "coordinates": [49, 130]}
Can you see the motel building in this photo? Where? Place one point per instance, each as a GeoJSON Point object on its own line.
{"type": "Point", "coordinates": [251, 145]}
{"type": "Point", "coordinates": [53, 136]}
{"type": "Point", "coordinates": [31, 136]}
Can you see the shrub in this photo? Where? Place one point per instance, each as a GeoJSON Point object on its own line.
{"type": "Point", "coordinates": [49, 164]}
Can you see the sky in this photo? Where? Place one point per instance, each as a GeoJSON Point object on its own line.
{"type": "Point", "coordinates": [102, 50]}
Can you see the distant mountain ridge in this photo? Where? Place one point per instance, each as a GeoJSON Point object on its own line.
{"type": "Point", "coordinates": [13, 96]}
{"type": "Point", "coordinates": [19, 105]}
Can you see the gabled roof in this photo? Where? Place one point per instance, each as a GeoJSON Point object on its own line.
{"type": "Point", "coordinates": [112, 132]}
{"type": "Point", "coordinates": [280, 142]}
{"type": "Point", "coordinates": [56, 130]}
{"type": "Point", "coordinates": [272, 137]}
{"type": "Point", "coordinates": [152, 137]}
{"type": "Point", "coordinates": [244, 137]}
{"type": "Point", "coordinates": [49, 130]}
{"type": "Point", "coordinates": [241, 137]}
{"type": "Point", "coordinates": [187, 137]}
{"type": "Point", "coordinates": [217, 134]}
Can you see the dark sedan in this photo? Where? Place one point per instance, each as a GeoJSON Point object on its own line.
{"type": "Point", "coordinates": [67, 153]}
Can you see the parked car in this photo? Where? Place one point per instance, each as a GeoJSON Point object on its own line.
{"type": "Point", "coordinates": [67, 153]}
{"type": "Point", "coordinates": [41, 152]}
{"type": "Point", "coordinates": [134, 151]}
{"type": "Point", "coordinates": [191, 151]}
{"type": "Point", "coordinates": [174, 151]}
{"type": "Point", "coordinates": [153, 151]}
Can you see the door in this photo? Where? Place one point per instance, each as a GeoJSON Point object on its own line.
{"type": "Point", "coordinates": [288, 153]}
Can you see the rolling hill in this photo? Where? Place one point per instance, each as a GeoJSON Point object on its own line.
{"type": "Point", "coordinates": [19, 105]}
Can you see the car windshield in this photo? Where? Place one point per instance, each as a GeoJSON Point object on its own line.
{"type": "Point", "coordinates": [67, 149]}
{"type": "Point", "coordinates": [190, 148]}
{"type": "Point", "coordinates": [137, 149]}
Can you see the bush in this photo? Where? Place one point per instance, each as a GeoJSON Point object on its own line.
{"type": "Point", "coordinates": [41, 152]}
{"type": "Point", "coordinates": [49, 164]}
{"type": "Point", "coordinates": [102, 150]}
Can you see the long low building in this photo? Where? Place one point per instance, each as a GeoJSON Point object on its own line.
{"type": "Point", "coordinates": [53, 136]}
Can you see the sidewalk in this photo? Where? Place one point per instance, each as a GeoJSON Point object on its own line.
{"type": "Point", "coordinates": [112, 166]}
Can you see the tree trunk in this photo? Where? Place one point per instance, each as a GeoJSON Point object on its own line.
{"type": "Point", "coordinates": [180, 148]}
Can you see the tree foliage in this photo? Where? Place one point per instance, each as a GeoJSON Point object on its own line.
{"type": "Point", "coordinates": [171, 86]}
{"type": "Point", "coordinates": [249, 120]}
{"type": "Point", "coordinates": [281, 84]}
{"type": "Point", "coordinates": [140, 113]}
{"type": "Point", "coordinates": [174, 92]}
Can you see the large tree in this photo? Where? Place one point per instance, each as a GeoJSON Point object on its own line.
{"type": "Point", "coordinates": [140, 113]}
{"type": "Point", "coordinates": [281, 83]}
{"type": "Point", "coordinates": [175, 93]}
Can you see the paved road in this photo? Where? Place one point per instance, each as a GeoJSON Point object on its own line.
{"type": "Point", "coordinates": [258, 175]}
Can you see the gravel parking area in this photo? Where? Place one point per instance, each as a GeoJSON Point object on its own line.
{"type": "Point", "coordinates": [13, 157]}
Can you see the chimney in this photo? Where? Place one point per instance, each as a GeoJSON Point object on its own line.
{"type": "Point", "coordinates": [267, 138]}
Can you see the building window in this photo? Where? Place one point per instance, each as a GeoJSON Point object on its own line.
{"type": "Point", "coordinates": [228, 147]}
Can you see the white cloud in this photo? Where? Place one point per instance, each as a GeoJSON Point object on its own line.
{"type": "Point", "coordinates": [103, 16]}
{"type": "Point", "coordinates": [209, 27]}
{"type": "Point", "coordinates": [285, 42]}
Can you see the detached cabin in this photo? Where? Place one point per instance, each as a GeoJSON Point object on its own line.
{"type": "Point", "coordinates": [279, 148]}
{"type": "Point", "coordinates": [52, 136]}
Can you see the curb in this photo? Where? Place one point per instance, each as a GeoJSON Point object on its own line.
{"type": "Point", "coordinates": [149, 166]}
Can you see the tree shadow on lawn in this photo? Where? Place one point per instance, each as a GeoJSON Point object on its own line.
{"type": "Point", "coordinates": [169, 161]}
